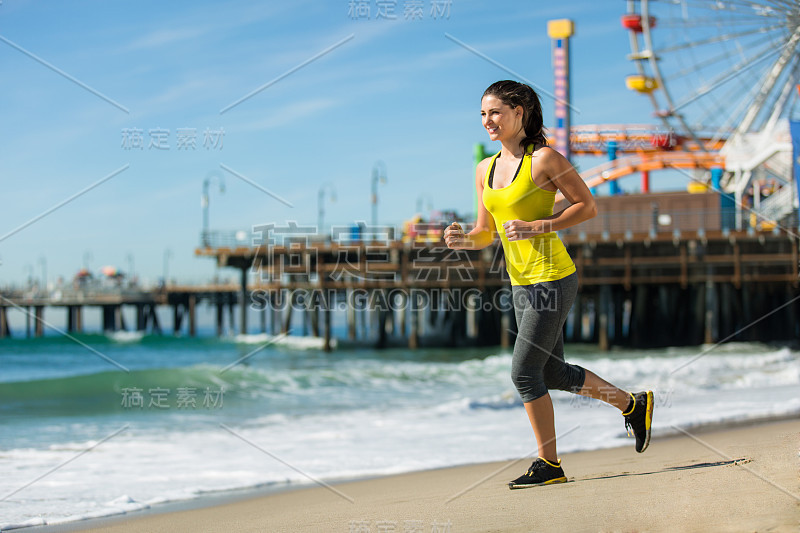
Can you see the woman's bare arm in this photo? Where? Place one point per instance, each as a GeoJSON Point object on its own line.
{"type": "Point", "coordinates": [483, 234]}
{"type": "Point", "coordinates": [563, 176]}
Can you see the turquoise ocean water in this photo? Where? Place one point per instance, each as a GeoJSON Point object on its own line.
{"type": "Point", "coordinates": [109, 424]}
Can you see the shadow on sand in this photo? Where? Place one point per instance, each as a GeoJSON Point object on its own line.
{"type": "Point", "coordinates": [734, 462]}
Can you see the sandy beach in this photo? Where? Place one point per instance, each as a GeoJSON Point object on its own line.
{"type": "Point", "coordinates": [735, 479]}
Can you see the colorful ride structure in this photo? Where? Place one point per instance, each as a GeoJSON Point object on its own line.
{"type": "Point", "coordinates": [722, 78]}
{"type": "Point", "coordinates": [724, 82]}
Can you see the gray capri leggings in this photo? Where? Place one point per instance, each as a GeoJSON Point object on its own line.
{"type": "Point", "coordinates": [538, 363]}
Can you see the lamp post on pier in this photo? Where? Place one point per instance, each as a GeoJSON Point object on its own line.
{"type": "Point", "coordinates": [377, 176]}
{"type": "Point", "coordinates": [30, 270]}
{"type": "Point", "coordinates": [167, 256]}
{"type": "Point", "coordinates": [420, 200]}
{"type": "Point", "coordinates": [130, 268]}
{"type": "Point", "coordinates": [321, 204]}
{"type": "Point", "coordinates": [43, 263]}
{"type": "Point", "coordinates": [204, 201]}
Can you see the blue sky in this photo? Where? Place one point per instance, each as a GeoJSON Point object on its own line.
{"type": "Point", "coordinates": [398, 91]}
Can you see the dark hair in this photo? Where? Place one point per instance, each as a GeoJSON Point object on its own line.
{"type": "Point", "coordinates": [515, 94]}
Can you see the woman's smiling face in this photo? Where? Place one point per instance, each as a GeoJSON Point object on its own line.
{"type": "Point", "coordinates": [500, 119]}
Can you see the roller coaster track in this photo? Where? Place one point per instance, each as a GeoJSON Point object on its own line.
{"type": "Point", "coordinates": [632, 138]}
{"type": "Point", "coordinates": [624, 166]}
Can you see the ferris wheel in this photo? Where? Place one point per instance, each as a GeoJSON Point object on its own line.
{"type": "Point", "coordinates": [722, 76]}
{"type": "Point", "coordinates": [714, 68]}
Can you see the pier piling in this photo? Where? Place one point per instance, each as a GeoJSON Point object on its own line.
{"type": "Point", "coordinates": [4, 329]}
{"type": "Point", "coordinates": [39, 315]}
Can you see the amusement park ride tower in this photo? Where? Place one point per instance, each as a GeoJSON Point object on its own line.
{"type": "Point", "coordinates": [560, 31]}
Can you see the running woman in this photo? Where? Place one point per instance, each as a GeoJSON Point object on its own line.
{"type": "Point", "coordinates": [518, 186]}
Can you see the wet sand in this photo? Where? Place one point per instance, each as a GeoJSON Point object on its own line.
{"type": "Point", "coordinates": [735, 479]}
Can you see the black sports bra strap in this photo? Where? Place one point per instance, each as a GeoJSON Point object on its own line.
{"type": "Point", "coordinates": [491, 172]}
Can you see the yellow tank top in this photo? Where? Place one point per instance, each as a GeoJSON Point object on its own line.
{"type": "Point", "coordinates": [540, 258]}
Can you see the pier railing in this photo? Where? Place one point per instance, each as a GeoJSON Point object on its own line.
{"type": "Point", "coordinates": [696, 288]}
{"type": "Point", "coordinates": [682, 214]}
{"type": "Point", "coordinates": [226, 238]}
{"type": "Point", "coordinates": [650, 219]}
{"type": "Point", "coordinates": [655, 221]}
{"type": "Point", "coordinates": [77, 296]}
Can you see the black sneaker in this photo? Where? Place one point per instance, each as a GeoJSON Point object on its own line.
{"type": "Point", "coordinates": [541, 472]}
{"type": "Point", "coordinates": [639, 419]}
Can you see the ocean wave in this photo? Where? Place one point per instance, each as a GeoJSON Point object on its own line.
{"type": "Point", "coordinates": [301, 343]}
{"type": "Point", "coordinates": [288, 383]}
{"type": "Point", "coordinates": [126, 336]}
{"type": "Point", "coordinates": [101, 392]}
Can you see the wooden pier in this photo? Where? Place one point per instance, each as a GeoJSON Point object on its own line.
{"type": "Point", "coordinates": [182, 300]}
{"type": "Point", "coordinates": [636, 290]}
{"type": "Point", "coordinates": [655, 270]}
{"type": "Point", "coordinates": [646, 280]}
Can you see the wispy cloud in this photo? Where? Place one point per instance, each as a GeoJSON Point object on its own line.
{"type": "Point", "coordinates": [288, 112]}
{"type": "Point", "coordinates": [162, 37]}
{"type": "Point", "coordinates": [289, 72]}
{"type": "Point", "coordinates": [186, 93]}
{"type": "Point", "coordinates": [203, 22]}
